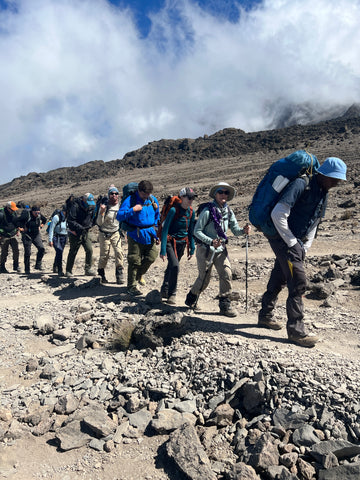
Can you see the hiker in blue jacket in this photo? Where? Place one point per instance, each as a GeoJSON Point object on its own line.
{"type": "Point", "coordinates": [58, 237]}
{"type": "Point", "coordinates": [210, 230]}
{"type": "Point", "coordinates": [296, 217]}
{"type": "Point", "coordinates": [141, 212]}
{"type": "Point", "coordinates": [176, 237]}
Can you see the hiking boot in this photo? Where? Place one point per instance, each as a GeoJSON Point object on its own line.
{"type": "Point", "coordinates": [225, 307]}
{"type": "Point", "coordinates": [164, 293]}
{"type": "Point", "coordinates": [191, 300]}
{"type": "Point", "coordinates": [38, 267]}
{"type": "Point", "coordinates": [27, 271]}
{"type": "Point", "coordinates": [3, 269]}
{"type": "Point", "coordinates": [60, 273]}
{"type": "Point", "coordinates": [119, 274]}
{"type": "Point", "coordinates": [90, 273]}
{"type": "Point", "coordinates": [308, 341]}
{"type": "Point", "coordinates": [171, 300]}
{"type": "Point", "coordinates": [101, 272]}
{"type": "Point", "coordinates": [68, 274]}
{"type": "Point", "coordinates": [269, 323]}
{"type": "Point", "coordinates": [134, 291]}
{"type": "Point", "coordinates": [17, 269]}
{"type": "Point", "coordinates": [141, 280]}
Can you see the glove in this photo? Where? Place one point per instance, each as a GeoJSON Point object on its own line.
{"type": "Point", "coordinates": [296, 253]}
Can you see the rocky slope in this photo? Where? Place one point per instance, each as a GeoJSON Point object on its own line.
{"type": "Point", "coordinates": [195, 396]}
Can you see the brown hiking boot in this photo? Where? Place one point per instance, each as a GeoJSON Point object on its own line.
{"type": "Point", "coordinates": [308, 341]}
{"type": "Point", "coordinates": [269, 323]}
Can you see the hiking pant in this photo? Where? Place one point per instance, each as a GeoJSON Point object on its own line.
{"type": "Point", "coordinates": [75, 242]}
{"type": "Point", "coordinates": [106, 241]}
{"type": "Point", "coordinates": [5, 244]}
{"type": "Point", "coordinates": [27, 242]}
{"type": "Point", "coordinates": [140, 258]}
{"type": "Point", "coordinates": [223, 268]}
{"type": "Point", "coordinates": [59, 242]}
{"type": "Point", "coordinates": [172, 270]}
{"type": "Point", "coordinates": [288, 270]}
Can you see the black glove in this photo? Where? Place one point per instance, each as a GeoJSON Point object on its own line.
{"type": "Point", "coordinates": [296, 253]}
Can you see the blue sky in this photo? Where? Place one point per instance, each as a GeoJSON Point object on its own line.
{"type": "Point", "coordinates": [83, 80]}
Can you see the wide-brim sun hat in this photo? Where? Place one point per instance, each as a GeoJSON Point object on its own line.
{"type": "Point", "coordinates": [333, 167]}
{"type": "Point", "coordinates": [223, 186]}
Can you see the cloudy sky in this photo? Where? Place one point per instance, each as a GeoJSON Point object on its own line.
{"type": "Point", "coordinates": [83, 80]}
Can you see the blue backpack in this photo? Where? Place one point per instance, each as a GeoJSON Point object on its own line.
{"type": "Point", "coordinates": [297, 164]}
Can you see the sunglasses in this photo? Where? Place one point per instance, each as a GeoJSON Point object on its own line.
{"type": "Point", "coordinates": [223, 192]}
{"type": "Point", "coordinates": [114, 193]}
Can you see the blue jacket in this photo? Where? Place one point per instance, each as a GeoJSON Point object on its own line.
{"type": "Point", "coordinates": [144, 222]}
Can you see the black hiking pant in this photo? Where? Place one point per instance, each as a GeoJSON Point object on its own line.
{"type": "Point", "coordinates": [288, 271]}
{"type": "Point", "coordinates": [5, 244]}
{"type": "Point", "coordinates": [59, 242]}
{"type": "Point", "coordinates": [172, 270]}
{"type": "Point", "coordinates": [27, 242]}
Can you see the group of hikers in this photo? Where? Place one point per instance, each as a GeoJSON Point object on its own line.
{"type": "Point", "coordinates": [295, 217]}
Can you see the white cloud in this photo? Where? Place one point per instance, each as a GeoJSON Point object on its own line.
{"type": "Point", "coordinates": [78, 83]}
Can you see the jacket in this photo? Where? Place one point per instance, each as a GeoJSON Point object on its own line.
{"type": "Point", "coordinates": [144, 222]}
{"type": "Point", "coordinates": [80, 217]}
{"type": "Point", "coordinates": [8, 223]}
{"type": "Point", "coordinates": [178, 228]}
{"type": "Point", "coordinates": [205, 230]}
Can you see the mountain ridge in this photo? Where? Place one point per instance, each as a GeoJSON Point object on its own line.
{"type": "Point", "coordinates": [228, 142]}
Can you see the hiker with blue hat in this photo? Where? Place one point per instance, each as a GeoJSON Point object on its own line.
{"type": "Point", "coordinates": [109, 235]}
{"type": "Point", "coordinates": [214, 220]}
{"type": "Point", "coordinates": [296, 217]}
{"type": "Point", "coordinates": [80, 220]}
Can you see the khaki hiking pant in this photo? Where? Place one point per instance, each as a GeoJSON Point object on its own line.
{"type": "Point", "coordinates": [222, 266]}
{"type": "Point", "coordinates": [107, 241]}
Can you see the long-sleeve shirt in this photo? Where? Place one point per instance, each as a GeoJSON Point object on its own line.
{"type": "Point", "coordinates": [299, 211]}
{"type": "Point", "coordinates": [143, 223]}
{"type": "Point", "coordinates": [57, 227]}
{"type": "Point", "coordinates": [108, 222]}
{"type": "Point", "coordinates": [205, 230]}
{"type": "Point", "coordinates": [179, 228]}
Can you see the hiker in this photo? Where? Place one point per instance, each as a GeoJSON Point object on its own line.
{"type": "Point", "coordinates": [210, 230]}
{"type": "Point", "coordinates": [8, 233]}
{"type": "Point", "coordinates": [80, 220]}
{"type": "Point", "coordinates": [296, 217]}
{"type": "Point", "coordinates": [176, 236]}
{"type": "Point", "coordinates": [31, 222]}
{"type": "Point", "coordinates": [109, 235]}
{"type": "Point", "coordinates": [140, 211]}
{"type": "Point", "coordinates": [58, 237]}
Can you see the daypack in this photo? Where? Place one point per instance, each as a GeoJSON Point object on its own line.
{"type": "Point", "coordinates": [59, 212]}
{"type": "Point", "coordinates": [280, 173]}
{"type": "Point", "coordinates": [101, 200]}
{"type": "Point", "coordinates": [130, 189]}
{"type": "Point", "coordinates": [171, 201]}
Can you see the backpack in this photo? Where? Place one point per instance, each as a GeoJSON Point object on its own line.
{"type": "Point", "coordinates": [171, 201]}
{"type": "Point", "coordinates": [59, 212]}
{"type": "Point", "coordinates": [280, 173]}
{"type": "Point", "coordinates": [101, 200]}
{"type": "Point", "coordinates": [129, 190]}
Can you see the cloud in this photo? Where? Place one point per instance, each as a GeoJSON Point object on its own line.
{"type": "Point", "coordinates": [80, 83]}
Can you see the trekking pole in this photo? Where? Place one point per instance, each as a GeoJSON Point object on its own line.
{"type": "Point", "coordinates": [246, 273]}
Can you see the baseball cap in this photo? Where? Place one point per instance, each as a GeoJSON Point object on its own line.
{"type": "Point", "coordinates": [12, 206]}
{"type": "Point", "coordinates": [187, 192]}
{"type": "Point", "coordinates": [89, 197]}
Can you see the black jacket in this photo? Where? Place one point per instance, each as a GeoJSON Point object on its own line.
{"type": "Point", "coordinates": [8, 223]}
{"type": "Point", "coordinates": [30, 223]}
{"type": "Point", "coordinates": [80, 217]}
